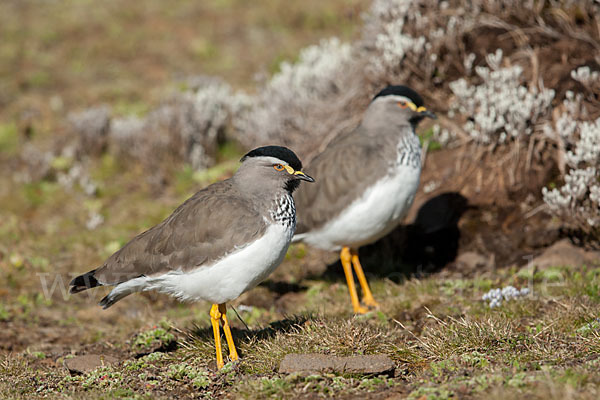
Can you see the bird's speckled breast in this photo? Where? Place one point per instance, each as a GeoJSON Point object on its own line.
{"type": "Point", "coordinates": [408, 153]}
{"type": "Point", "coordinates": [284, 211]}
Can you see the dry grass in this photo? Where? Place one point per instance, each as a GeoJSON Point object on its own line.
{"type": "Point", "coordinates": [456, 346]}
{"type": "Point", "coordinates": [59, 57]}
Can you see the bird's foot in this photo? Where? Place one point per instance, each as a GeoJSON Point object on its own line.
{"type": "Point", "coordinates": [370, 302]}
{"type": "Point", "coordinates": [233, 355]}
{"type": "Point", "coordinates": [360, 310]}
{"type": "Point", "coordinates": [215, 317]}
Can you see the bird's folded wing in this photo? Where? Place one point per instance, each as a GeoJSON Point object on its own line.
{"type": "Point", "coordinates": [212, 223]}
{"type": "Point", "coordinates": [342, 173]}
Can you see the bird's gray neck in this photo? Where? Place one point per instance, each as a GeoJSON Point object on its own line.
{"type": "Point", "coordinates": [395, 136]}
{"type": "Point", "coordinates": [270, 200]}
{"type": "Point", "coordinates": [252, 188]}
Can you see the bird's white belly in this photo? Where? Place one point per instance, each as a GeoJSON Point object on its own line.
{"type": "Point", "coordinates": [372, 216]}
{"type": "Point", "coordinates": [231, 276]}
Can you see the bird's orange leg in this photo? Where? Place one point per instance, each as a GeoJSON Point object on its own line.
{"type": "Point", "coordinates": [215, 317]}
{"type": "Point", "coordinates": [233, 355]}
{"type": "Point", "coordinates": [346, 258]}
{"type": "Point", "coordinates": [367, 295]}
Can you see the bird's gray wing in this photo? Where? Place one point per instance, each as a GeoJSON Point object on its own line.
{"type": "Point", "coordinates": [342, 172]}
{"type": "Point", "coordinates": [209, 225]}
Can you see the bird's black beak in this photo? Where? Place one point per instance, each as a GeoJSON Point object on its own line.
{"type": "Point", "coordinates": [303, 176]}
{"type": "Point", "coordinates": [423, 112]}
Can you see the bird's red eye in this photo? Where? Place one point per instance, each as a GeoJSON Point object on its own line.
{"type": "Point", "coordinates": [278, 167]}
{"type": "Point", "coordinates": [402, 104]}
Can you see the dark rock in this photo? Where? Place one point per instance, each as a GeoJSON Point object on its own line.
{"type": "Point", "coordinates": [81, 364]}
{"type": "Point", "coordinates": [372, 364]}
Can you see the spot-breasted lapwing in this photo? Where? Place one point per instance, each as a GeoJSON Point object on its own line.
{"type": "Point", "coordinates": [367, 180]}
{"type": "Point", "coordinates": [221, 242]}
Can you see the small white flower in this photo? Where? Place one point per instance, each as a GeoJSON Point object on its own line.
{"type": "Point", "coordinates": [495, 297]}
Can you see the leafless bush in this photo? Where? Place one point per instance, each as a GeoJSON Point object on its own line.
{"type": "Point", "coordinates": [35, 164]}
{"type": "Point", "coordinates": [185, 128]}
{"type": "Point", "coordinates": [408, 39]}
{"type": "Point", "coordinates": [421, 43]}
{"type": "Point", "coordinates": [577, 201]}
{"type": "Point", "coordinates": [91, 127]}
{"type": "Point", "coordinates": [502, 108]}
{"type": "Point", "coordinates": [303, 103]}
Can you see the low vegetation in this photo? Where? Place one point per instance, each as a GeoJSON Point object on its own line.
{"type": "Point", "coordinates": [446, 342]}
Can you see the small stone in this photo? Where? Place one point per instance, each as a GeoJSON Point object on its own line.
{"type": "Point", "coordinates": [81, 364]}
{"type": "Point", "coordinates": [370, 364]}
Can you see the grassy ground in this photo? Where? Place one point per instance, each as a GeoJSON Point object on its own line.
{"type": "Point", "coordinates": [445, 341]}
{"type": "Point", "coordinates": [61, 56]}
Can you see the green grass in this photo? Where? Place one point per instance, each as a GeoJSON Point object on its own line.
{"type": "Point", "coordinates": [8, 138]}
{"type": "Point", "coordinates": [427, 137]}
{"type": "Point", "coordinates": [158, 337]}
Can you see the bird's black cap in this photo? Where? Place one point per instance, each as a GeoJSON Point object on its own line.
{"type": "Point", "coordinates": [399, 90]}
{"type": "Point", "coordinates": [283, 153]}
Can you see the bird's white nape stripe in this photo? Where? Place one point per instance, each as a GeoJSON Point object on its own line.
{"type": "Point", "coordinates": [396, 97]}
{"type": "Point", "coordinates": [273, 160]}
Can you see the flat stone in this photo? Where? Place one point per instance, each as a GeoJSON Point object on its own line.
{"type": "Point", "coordinates": [88, 362]}
{"type": "Point", "coordinates": [564, 253]}
{"type": "Point", "coordinates": [372, 364]}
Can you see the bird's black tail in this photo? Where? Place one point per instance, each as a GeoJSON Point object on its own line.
{"type": "Point", "coordinates": [84, 282]}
